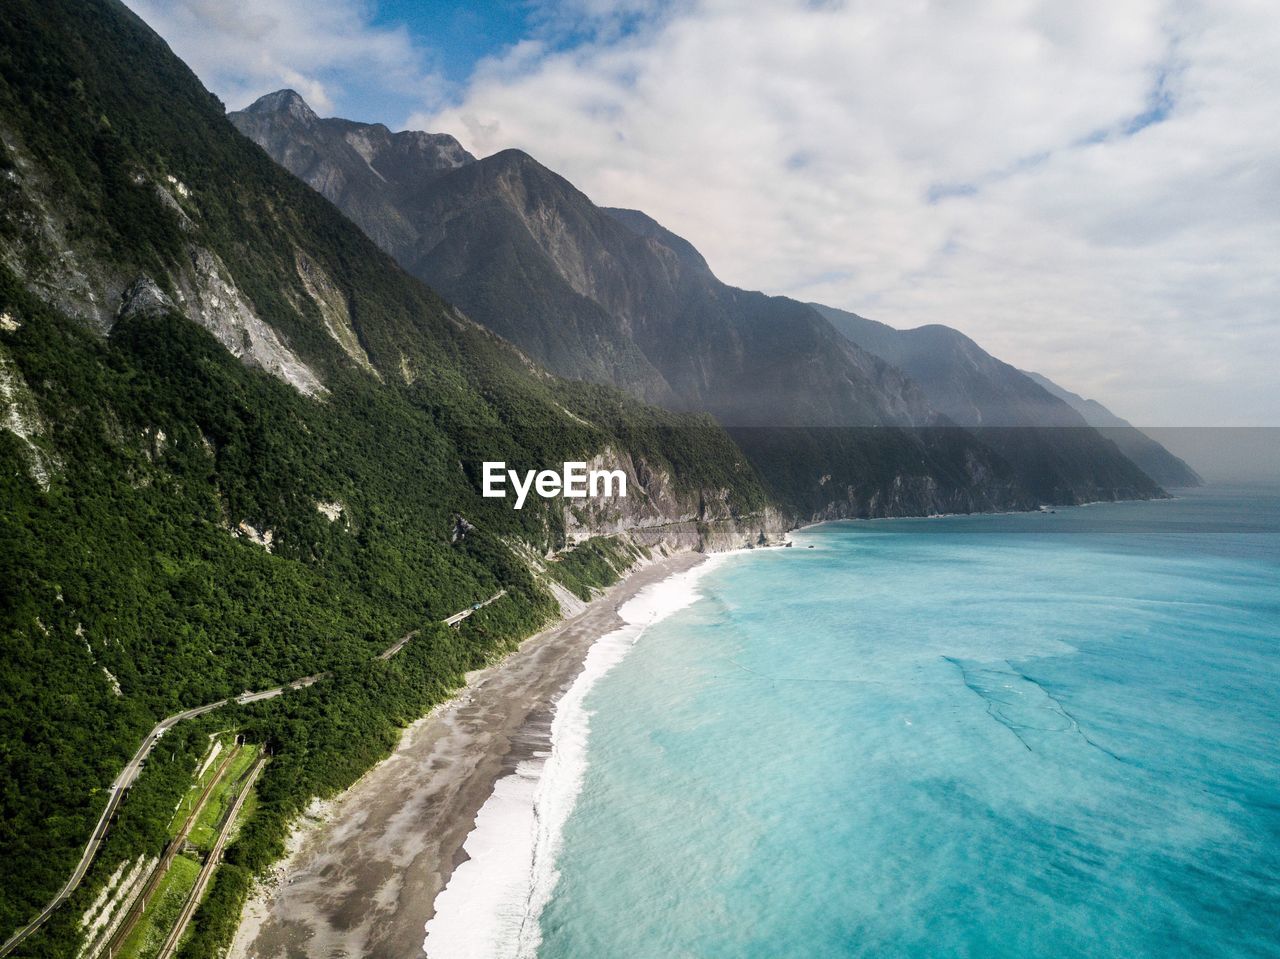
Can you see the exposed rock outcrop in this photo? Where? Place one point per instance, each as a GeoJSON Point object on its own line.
{"type": "Point", "coordinates": [20, 415]}
{"type": "Point", "coordinates": [210, 297]}
{"type": "Point", "coordinates": [82, 279]}
{"type": "Point", "coordinates": [144, 298]}
{"type": "Point", "coordinates": [656, 513]}
{"type": "Point", "coordinates": [334, 310]}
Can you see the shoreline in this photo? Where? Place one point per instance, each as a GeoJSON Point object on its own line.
{"type": "Point", "coordinates": [363, 870]}
{"type": "Point", "coordinates": [492, 905]}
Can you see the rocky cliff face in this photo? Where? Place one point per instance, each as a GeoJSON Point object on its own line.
{"type": "Point", "coordinates": [365, 169]}
{"type": "Point", "coordinates": [605, 295]}
{"type": "Point", "coordinates": [87, 279]}
{"type": "Point", "coordinates": [657, 512]}
{"type": "Point", "coordinates": [20, 415]}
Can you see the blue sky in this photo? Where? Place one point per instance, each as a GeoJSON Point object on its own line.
{"type": "Point", "coordinates": [453, 36]}
{"type": "Point", "coordinates": [445, 40]}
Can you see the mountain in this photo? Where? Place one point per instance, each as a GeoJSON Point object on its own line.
{"type": "Point", "coordinates": [238, 446]}
{"type": "Point", "coordinates": [959, 378]}
{"type": "Point", "coordinates": [612, 296]}
{"type": "Point", "coordinates": [368, 171]}
{"type": "Point", "coordinates": [1052, 445]}
{"type": "Point", "coordinates": [527, 254]}
{"type": "Point", "coordinates": [975, 389]}
{"type": "Point", "coordinates": [1156, 461]}
{"type": "Point", "coordinates": [646, 226]}
{"type": "Point", "coordinates": [588, 292]}
{"type": "Point", "coordinates": [362, 169]}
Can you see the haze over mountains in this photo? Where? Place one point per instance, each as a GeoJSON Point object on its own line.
{"type": "Point", "coordinates": [1156, 461]}
{"type": "Point", "coordinates": [977, 390]}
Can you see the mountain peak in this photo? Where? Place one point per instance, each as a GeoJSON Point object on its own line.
{"type": "Point", "coordinates": [287, 102]}
{"type": "Point", "coordinates": [640, 223]}
{"type": "Point", "coordinates": [512, 157]}
{"type": "Point", "coordinates": [441, 149]}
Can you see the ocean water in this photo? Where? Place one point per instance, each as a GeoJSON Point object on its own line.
{"type": "Point", "coordinates": [1001, 736]}
{"type": "Point", "coordinates": [491, 907]}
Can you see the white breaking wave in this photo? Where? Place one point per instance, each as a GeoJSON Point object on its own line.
{"type": "Point", "coordinates": [491, 907]}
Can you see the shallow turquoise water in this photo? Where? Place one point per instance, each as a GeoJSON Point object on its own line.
{"type": "Point", "coordinates": [1046, 735]}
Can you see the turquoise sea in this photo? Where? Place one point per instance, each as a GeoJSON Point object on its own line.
{"type": "Point", "coordinates": [996, 736]}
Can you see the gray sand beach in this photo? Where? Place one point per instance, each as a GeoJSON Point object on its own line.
{"type": "Point", "coordinates": [362, 878]}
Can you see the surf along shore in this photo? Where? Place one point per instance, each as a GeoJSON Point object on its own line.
{"type": "Point", "coordinates": [363, 873]}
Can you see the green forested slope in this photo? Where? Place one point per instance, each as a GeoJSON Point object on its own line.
{"type": "Point", "coordinates": [157, 444]}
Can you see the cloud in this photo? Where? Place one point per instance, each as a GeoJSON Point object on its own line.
{"type": "Point", "coordinates": [328, 50]}
{"type": "Point", "coordinates": [1088, 189]}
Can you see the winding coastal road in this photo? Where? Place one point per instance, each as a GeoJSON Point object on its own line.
{"type": "Point", "coordinates": [134, 766]}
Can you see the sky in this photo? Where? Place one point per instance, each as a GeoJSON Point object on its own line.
{"type": "Point", "coordinates": [1090, 190]}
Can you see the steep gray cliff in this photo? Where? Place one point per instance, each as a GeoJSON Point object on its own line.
{"type": "Point", "coordinates": [604, 295]}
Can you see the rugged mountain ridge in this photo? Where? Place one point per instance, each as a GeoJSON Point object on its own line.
{"type": "Point", "coordinates": [367, 168]}
{"type": "Point", "coordinates": [1021, 414]}
{"type": "Point", "coordinates": [284, 288]}
{"type": "Point", "coordinates": [355, 166]}
{"type": "Point", "coordinates": [521, 250]}
{"type": "Point", "coordinates": [960, 378]}
{"type": "Point", "coordinates": [612, 296]}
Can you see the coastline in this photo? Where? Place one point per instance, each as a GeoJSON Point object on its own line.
{"type": "Point", "coordinates": [363, 870]}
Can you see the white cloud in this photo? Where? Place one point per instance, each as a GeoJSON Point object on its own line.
{"type": "Point", "coordinates": [322, 48]}
{"type": "Point", "coordinates": [933, 162]}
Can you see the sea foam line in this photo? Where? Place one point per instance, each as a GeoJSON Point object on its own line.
{"type": "Point", "coordinates": [491, 906]}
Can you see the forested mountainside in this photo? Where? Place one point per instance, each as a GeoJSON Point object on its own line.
{"type": "Point", "coordinates": [240, 446]}
{"type": "Point", "coordinates": [1156, 461]}
{"type": "Point", "coordinates": [362, 169]}
{"type": "Point", "coordinates": [612, 296]}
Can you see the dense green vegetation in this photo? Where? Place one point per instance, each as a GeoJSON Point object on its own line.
{"type": "Point", "coordinates": [872, 471]}
{"type": "Point", "coordinates": [162, 911]}
{"type": "Point", "coordinates": [127, 569]}
{"type": "Point", "coordinates": [215, 922]}
{"type": "Point", "coordinates": [204, 831]}
{"type": "Point", "coordinates": [593, 565]}
{"type": "Point", "coordinates": [127, 564]}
